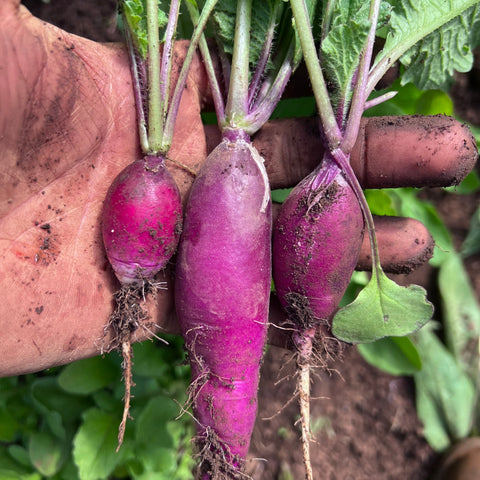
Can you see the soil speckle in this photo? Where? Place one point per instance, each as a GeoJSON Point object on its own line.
{"type": "Point", "coordinates": [75, 342]}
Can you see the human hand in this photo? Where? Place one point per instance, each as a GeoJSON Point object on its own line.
{"type": "Point", "coordinates": [68, 126]}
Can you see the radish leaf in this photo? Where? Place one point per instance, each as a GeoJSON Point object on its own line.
{"type": "Point", "coordinates": [382, 309]}
{"type": "Point", "coordinates": [461, 313]}
{"type": "Point", "coordinates": [224, 26]}
{"type": "Point", "coordinates": [87, 376]}
{"type": "Point", "coordinates": [413, 22]}
{"type": "Point", "coordinates": [47, 453]}
{"type": "Point", "coordinates": [341, 52]}
{"type": "Point", "coordinates": [94, 445]}
{"type": "Point", "coordinates": [394, 355]}
{"type": "Point", "coordinates": [432, 62]}
{"type": "Point", "coordinates": [471, 244]}
{"type": "Point", "coordinates": [135, 12]}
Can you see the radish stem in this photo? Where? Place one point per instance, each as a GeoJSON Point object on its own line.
{"type": "Point", "coordinates": [359, 98]}
{"type": "Point", "coordinates": [137, 91]}
{"type": "Point", "coordinates": [333, 135]}
{"type": "Point", "coordinates": [262, 61]}
{"type": "Point", "coordinates": [166, 60]}
{"type": "Point", "coordinates": [182, 77]}
{"type": "Point", "coordinates": [237, 102]}
{"type": "Point", "coordinates": [217, 96]}
{"type": "Point", "coordinates": [155, 128]}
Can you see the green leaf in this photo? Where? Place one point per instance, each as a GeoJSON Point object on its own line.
{"type": "Point", "coordinates": [382, 309]}
{"type": "Point", "coordinates": [20, 454]}
{"type": "Point", "coordinates": [69, 471]}
{"type": "Point", "coordinates": [160, 439]}
{"type": "Point", "coordinates": [87, 376]}
{"type": "Point", "coordinates": [61, 410]}
{"type": "Point", "coordinates": [409, 205]}
{"type": "Point", "coordinates": [394, 355]}
{"type": "Point", "coordinates": [94, 445]}
{"type": "Point", "coordinates": [149, 360]}
{"type": "Point", "coordinates": [446, 397]}
{"type": "Point", "coordinates": [8, 426]}
{"type": "Point", "coordinates": [160, 463]}
{"type": "Point", "coordinates": [434, 102]}
{"type": "Point", "coordinates": [341, 51]}
{"type": "Point", "coordinates": [135, 12]}
{"type": "Point", "coordinates": [295, 107]}
{"type": "Point", "coordinates": [430, 39]}
{"type": "Point", "coordinates": [47, 453]}
{"type": "Point", "coordinates": [357, 282]}
{"type": "Point", "coordinates": [8, 474]}
{"type": "Point", "coordinates": [380, 202]}
{"type": "Point", "coordinates": [432, 62]}
{"type": "Point", "coordinates": [10, 469]}
{"type": "Point", "coordinates": [279, 195]}
{"type": "Point", "coordinates": [151, 424]}
{"type": "Point", "coordinates": [223, 19]}
{"type": "Point", "coordinates": [470, 184]}
{"type": "Point", "coordinates": [461, 313]}
{"type": "Point", "coordinates": [403, 103]}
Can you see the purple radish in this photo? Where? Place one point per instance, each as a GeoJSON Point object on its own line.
{"type": "Point", "coordinates": [222, 297]}
{"type": "Point", "coordinates": [141, 220]}
{"type": "Point", "coordinates": [317, 238]}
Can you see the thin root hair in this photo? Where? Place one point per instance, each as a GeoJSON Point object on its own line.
{"type": "Point", "coordinates": [216, 458]}
{"type": "Point", "coordinates": [144, 326]}
{"type": "Point", "coordinates": [182, 165]}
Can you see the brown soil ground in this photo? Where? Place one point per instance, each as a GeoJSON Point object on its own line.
{"type": "Point", "coordinates": [365, 420]}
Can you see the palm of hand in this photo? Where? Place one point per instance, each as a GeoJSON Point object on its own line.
{"type": "Point", "coordinates": [61, 148]}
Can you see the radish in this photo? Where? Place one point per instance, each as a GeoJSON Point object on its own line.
{"type": "Point", "coordinates": [222, 298]}
{"type": "Point", "coordinates": [142, 220]}
{"type": "Point", "coordinates": [318, 235]}
{"type": "Point", "coordinates": [142, 212]}
{"type": "Point", "coordinates": [223, 270]}
{"type": "Point", "coordinates": [317, 238]}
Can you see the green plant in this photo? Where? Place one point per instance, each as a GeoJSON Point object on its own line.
{"type": "Point", "coordinates": [442, 358]}
{"type": "Point", "coordinates": [63, 423]}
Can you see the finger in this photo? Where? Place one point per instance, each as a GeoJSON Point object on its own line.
{"type": "Point", "coordinates": [405, 151]}
{"type": "Point", "coordinates": [404, 245]}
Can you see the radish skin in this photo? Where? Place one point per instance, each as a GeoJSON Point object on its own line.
{"type": "Point", "coordinates": [317, 238]}
{"type": "Point", "coordinates": [222, 293]}
{"type": "Point", "coordinates": [141, 221]}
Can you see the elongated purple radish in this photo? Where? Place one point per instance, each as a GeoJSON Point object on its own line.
{"type": "Point", "coordinates": [317, 238]}
{"type": "Point", "coordinates": [222, 290]}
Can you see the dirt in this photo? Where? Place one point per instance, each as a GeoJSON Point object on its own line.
{"type": "Point", "coordinates": [364, 420]}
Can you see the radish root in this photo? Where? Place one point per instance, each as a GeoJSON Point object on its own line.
{"type": "Point", "coordinates": [216, 461]}
{"type": "Point", "coordinates": [304, 400]}
{"type": "Point", "coordinates": [126, 318]}
{"type": "Point", "coordinates": [127, 378]}
{"type": "Point", "coordinates": [304, 358]}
